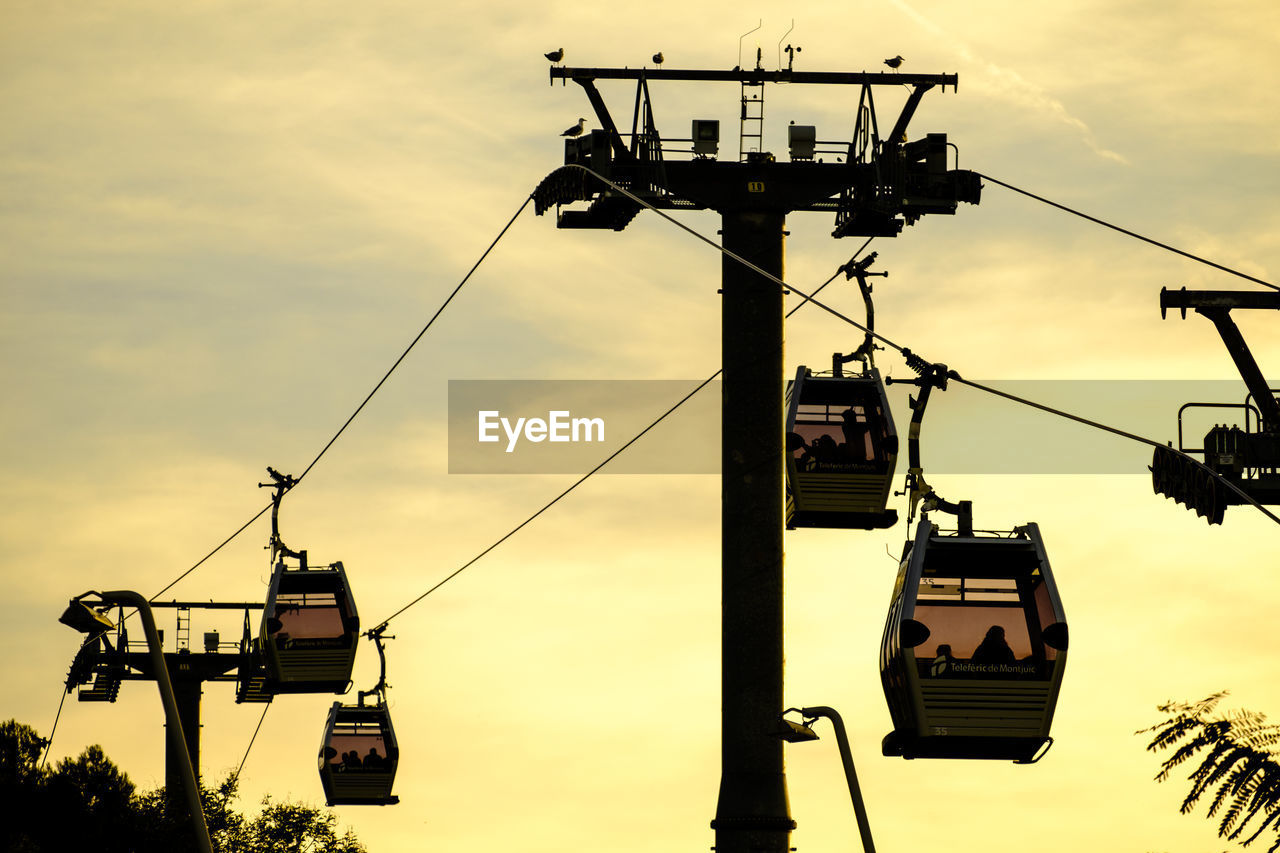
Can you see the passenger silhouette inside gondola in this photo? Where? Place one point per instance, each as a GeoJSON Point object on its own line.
{"type": "Point", "coordinates": [821, 451]}
{"type": "Point", "coordinates": [373, 760]}
{"type": "Point", "coordinates": [993, 648]}
{"type": "Point", "coordinates": [276, 624]}
{"type": "Point", "coordinates": [942, 663]}
{"type": "Point", "coordinates": [351, 759]}
{"type": "Point", "coordinates": [855, 435]}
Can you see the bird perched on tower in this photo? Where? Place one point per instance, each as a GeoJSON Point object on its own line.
{"type": "Point", "coordinates": [894, 63]}
{"type": "Point", "coordinates": [576, 130]}
{"type": "Point", "coordinates": [555, 55]}
{"type": "Point", "coordinates": [657, 58]}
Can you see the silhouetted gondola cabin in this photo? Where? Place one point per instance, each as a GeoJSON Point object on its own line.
{"type": "Point", "coordinates": [974, 647]}
{"type": "Point", "coordinates": [358, 756]}
{"type": "Point", "coordinates": [309, 630]}
{"type": "Point", "coordinates": [841, 451]}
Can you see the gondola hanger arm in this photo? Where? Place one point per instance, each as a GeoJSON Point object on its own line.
{"type": "Point", "coordinates": [930, 375]}
{"type": "Point", "coordinates": [378, 635]}
{"type": "Point", "coordinates": [281, 484]}
{"type": "Point", "coordinates": [860, 269]}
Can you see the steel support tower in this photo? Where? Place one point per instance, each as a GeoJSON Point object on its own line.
{"type": "Point", "coordinates": [111, 657]}
{"type": "Point", "coordinates": [872, 186]}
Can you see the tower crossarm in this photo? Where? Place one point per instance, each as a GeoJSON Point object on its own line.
{"type": "Point", "coordinates": [1217, 305]}
{"type": "Point", "coordinates": [845, 78]}
{"type": "Point", "coordinates": [873, 187]}
{"type": "Point", "coordinates": [899, 133]}
{"type": "Point", "coordinates": [620, 151]}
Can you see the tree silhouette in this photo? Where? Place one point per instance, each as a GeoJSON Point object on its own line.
{"type": "Point", "coordinates": [1237, 766]}
{"type": "Point", "coordinates": [87, 803]}
{"type": "Point", "coordinates": [294, 828]}
{"type": "Point", "coordinates": [20, 749]}
{"type": "Point", "coordinates": [160, 828]}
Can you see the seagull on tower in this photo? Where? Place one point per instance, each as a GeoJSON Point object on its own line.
{"type": "Point", "coordinates": [576, 130]}
{"type": "Point", "coordinates": [894, 63]}
{"type": "Point", "coordinates": [555, 55]}
{"type": "Point", "coordinates": [657, 58]}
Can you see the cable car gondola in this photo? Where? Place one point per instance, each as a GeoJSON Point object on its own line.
{"type": "Point", "coordinates": [841, 450]}
{"type": "Point", "coordinates": [841, 444]}
{"type": "Point", "coordinates": [358, 756]}
{"type": "Point", "coordinates": [974, 646]}
{"type": "Point", "coordinates": [309, 630]}
{"type": "Point", "coordinates": [309, 624]}
{"type": "Point", "coordinates": [359, 753]}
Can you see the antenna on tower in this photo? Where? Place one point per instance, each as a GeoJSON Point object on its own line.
{"type": "Point", "coordinates": [781, 40]}
{"type": "Point", "coordinates": [759, 24]}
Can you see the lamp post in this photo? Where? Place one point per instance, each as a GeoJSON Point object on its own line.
{"type": "Point", "coordinates": [793, 732]}
{"type": "Point", "coordinates": [83, 618]}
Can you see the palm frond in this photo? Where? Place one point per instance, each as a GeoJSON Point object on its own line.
{"type": "Point", "coordinates": [1200, 776]}
{"type": "Point", "coordinates": [1235, 782]}
{"type": "Point", "coordinates": [1235, 768]}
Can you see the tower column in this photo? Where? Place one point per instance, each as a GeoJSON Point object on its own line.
{"type": "Point", "coordinates": [752, 813]}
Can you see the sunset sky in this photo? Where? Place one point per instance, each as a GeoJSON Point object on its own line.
{"type": "Point", "coordinates": [222, 222]}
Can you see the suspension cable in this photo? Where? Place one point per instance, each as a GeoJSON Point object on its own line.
{"type": "Point", "coordinates": [47, 746]}
{"type": "Point", "coordinates": [202, 560]}
{"type": "Point", "coordinates": [1116, 431]}
{"type": "Point", "coordinates": [580, 481]}
{"type": "Point", "coordinates": [367, 398]}
{"type": "Point", "coordinates": [502, 233]}
{"type": "Point", "coordinates": [236, 776]}
{"type": "Point", "coordinates": [806, 297]}
{"type": "Point", "coordinates": [910, 356]}
{"type": "Point", "coordinates": [48, 742]}
{"type": "Point", "coordinates": [1129, 233]}
{"type": "Point", "coordinates": [414, 342]}
{"type": "Point", "coordinates": [553, 501]}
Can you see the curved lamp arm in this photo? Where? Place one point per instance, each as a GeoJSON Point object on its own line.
{"type": "Point", "coordinates": [80, 617]}
{"type": "Point", "coordinates": [846, 757]}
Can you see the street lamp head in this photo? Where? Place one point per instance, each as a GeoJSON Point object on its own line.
{"type": "Point", "coordinates": [793, 732]}
{"type": "Point", "coordinates": [84, 618]}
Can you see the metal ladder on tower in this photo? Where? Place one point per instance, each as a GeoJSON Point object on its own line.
{"type": "Point", "coordinates": [184, 629]}
{"type": "Point", "coordinates": [751, 130]}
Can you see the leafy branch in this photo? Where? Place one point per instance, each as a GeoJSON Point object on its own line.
{"type": "Point", "coordinates": [1233, 765]}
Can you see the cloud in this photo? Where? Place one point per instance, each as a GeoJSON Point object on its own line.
{"type": "Point", "coordinates": [1009, 85]}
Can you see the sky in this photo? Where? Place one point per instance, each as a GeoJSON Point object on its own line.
{"type": "Point", "coordinates": [222, 222]}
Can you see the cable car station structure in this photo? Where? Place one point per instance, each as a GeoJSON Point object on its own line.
{"type": "Point", "coordinates": [1249, 458]}
{"type": "Point", "coordinates": [305, 642]}
{"type": "Point", "coordinates": [110, 657]}
{"type": "Point", "coordinates": [879, 184]}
